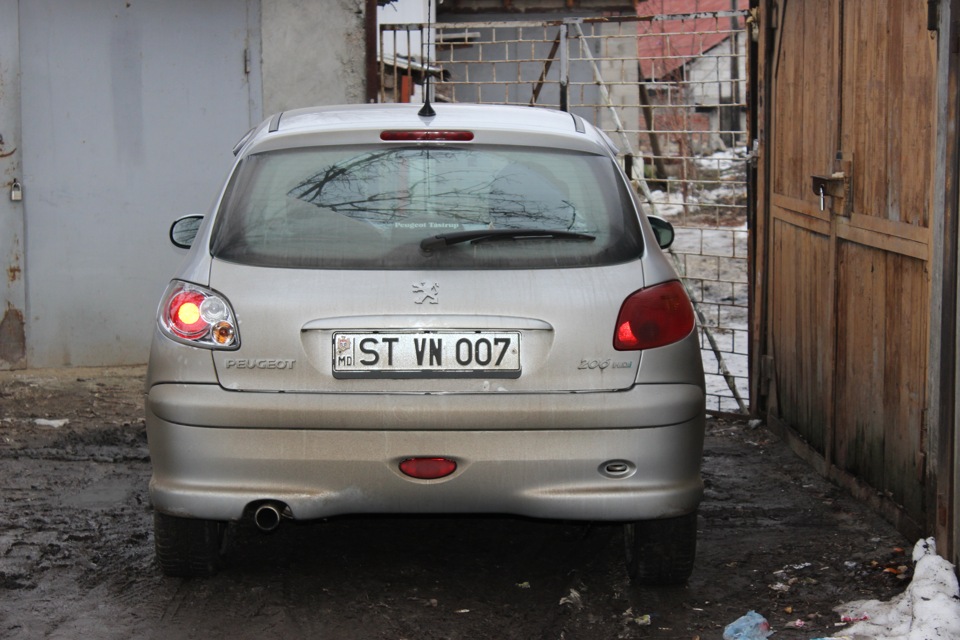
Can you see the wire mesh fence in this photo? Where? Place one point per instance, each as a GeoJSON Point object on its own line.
{"type": "Point", "coordinates": [670, 90]}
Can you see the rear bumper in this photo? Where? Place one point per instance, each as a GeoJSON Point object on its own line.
{"type": "Point", "coordinates": [538, 455]}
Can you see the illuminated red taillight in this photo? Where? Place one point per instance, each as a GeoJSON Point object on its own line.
{"type": "Point", "coordinates": [654, 317]}
{"type": "Point", "coordinates": [198, 316]}
{"type": "Point", "coordinates": [184, 314]}
{"type": "Point", "coordinates": [421, 135]}
{"type": "Point", "coordinates": [428, 468]}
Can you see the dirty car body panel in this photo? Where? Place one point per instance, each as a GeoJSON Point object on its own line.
{"type": "Point", "coordinates": [392, 313]}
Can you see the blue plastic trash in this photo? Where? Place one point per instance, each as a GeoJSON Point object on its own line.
{"type": "Point", "coordinates": [751, 626]}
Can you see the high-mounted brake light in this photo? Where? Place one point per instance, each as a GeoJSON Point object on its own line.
{"type": "Point", "coordinates": [197, 316]}
{"type": "Point", "coordinates": [429, 135]}
{"type": "Point", "coordinates": [654, 317]}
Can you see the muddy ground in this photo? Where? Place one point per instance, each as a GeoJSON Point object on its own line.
{"type": "Point", "coordinates": [76, 548]}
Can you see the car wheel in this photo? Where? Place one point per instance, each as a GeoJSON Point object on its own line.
{"type": "Point", "coordinates": [661, 552]}
{"type": "Point", "coordinates": [187, 547]}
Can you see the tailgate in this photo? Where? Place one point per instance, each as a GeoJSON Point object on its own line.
{"type": "Point", "coordinates": [413, 332]}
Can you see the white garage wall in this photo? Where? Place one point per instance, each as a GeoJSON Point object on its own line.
{"type": "Point", "coordinates": [12, 289]}
{"type": "Point", "coordinates": [313, 53]}
{"type": "Point", "coordinates": [130, 111]}
{"type": "Point", "coordinates": [119, 116]}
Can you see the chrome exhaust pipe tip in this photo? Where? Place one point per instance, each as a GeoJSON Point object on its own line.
{"type": "Point", "coordinates": [267, 517]}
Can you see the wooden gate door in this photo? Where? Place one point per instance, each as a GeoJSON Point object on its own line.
{"type": "Point", "coordinates": [851, 143]}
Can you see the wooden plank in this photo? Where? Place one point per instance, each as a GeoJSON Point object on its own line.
{"type": "Point", "coordinates": [787, 115]}
{"type": "Point", "coordinates": [820, 72]}
{"type": "Point", "coordinates": [873, 106]}
{"type": "Point", "coordinates": [883, 241]}
{"type": "Point", "coordinates": [888, 108]}
{"type": "Point", "coordinates": [805, 124]}
{"type": "Point", "coordinates": [914, 168]}
{"type": "Point", "coordinates": [801, 329]}
{"type": "Point", "coordinates": [830, 287]}
{"type": "Point", "coordinates": [763, 60]}
{"type": "Point", "coordinates": [894, 98]}
{"type": "Point", "coordinates": [883, 226]}
{"type": "Point", "coordinates": [943, 448]}
{"type": "Point", "coordinates": [865, 126]}
{"type": "Point", "coordinates": [782, 331]}
{"type": "Point", "coordinates": [769, 9]}
{"type": "Point", "coordinates": [861, 354]}
{"type": "Point", "coordinates": [904, 383]}
{"type": "Point", "coordinates": [804, 94]}
{"type": "Point", "coordinates": [884, 249]}
{"type": "Point", "coordinates": [800, 214]}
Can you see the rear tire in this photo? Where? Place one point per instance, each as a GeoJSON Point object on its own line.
{"type": "Point", "coordinates": [187, 547]}
{"type": "Point", "coordinates": [661, 552]}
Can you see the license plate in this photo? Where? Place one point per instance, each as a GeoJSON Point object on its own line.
{"type": "Point", "coordinates": [437, 354]}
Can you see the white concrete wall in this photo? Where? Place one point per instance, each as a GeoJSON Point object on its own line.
{"type": "Point", "coordinates": [709, 76]}
{"type": "Point", "coordinates": [313, 53]}
{"type": "Point", "coordinates": [118, 118]}
{"type": "Point", "coordinates": [12, 289]}
{"type": "Point", "coordinates": [129, 112]}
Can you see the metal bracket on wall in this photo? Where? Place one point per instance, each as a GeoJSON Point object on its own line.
{"type": "Point", "coordinates": [837, 185]}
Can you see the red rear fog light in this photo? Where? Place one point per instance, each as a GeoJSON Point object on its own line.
{"type": "Point", "coordinates": [428, 468]}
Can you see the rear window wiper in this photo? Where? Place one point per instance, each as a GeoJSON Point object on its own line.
{"type": "Point", "coordinates": [482, 235]}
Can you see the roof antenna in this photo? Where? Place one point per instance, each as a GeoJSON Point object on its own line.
{"type": "Point", "coordinates": [426, 111]}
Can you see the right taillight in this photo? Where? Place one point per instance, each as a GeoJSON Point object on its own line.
{"type": "Point", "coordinates": [654, 317]}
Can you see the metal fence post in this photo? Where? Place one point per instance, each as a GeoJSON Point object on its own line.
{"type": "Point", "coordinates": [564, 67]}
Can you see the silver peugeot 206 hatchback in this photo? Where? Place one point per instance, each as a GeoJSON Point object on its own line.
{"type": "Point", "coordinates": [391, 312]}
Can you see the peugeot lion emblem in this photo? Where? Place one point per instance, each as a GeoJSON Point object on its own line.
{"type": "Point", "coordinates": [424, 292]}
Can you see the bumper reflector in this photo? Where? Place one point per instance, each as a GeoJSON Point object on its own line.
{"type": "Point", "coordinates": [428, 468]}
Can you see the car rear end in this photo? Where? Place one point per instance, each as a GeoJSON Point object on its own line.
{"type": "Point", "coordinates": [388, 313]}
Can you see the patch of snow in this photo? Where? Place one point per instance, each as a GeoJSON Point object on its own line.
{"type": "Point", "coordinates": [669, 204]}
{"type": "Point", "coordinates": [929, 609]}
{"type": "Point", "coordinates": [56, 424]}
{"type": "Point", "coordinates": [723, 160]}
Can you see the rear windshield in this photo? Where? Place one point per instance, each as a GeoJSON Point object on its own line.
{"type": "Point", "coordinates": [376, 208]}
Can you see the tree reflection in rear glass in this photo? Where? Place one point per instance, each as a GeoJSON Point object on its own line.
{"type": "Point", "coordinates": [364, 207]}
